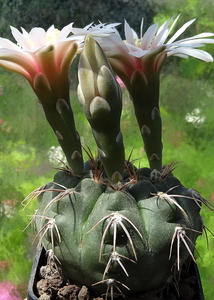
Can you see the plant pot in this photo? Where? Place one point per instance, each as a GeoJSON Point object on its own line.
{"type": "Point", "coordinates": [189, 277]}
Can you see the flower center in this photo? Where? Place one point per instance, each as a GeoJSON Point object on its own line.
{"type": "Point", "coordinates": [51, 36]}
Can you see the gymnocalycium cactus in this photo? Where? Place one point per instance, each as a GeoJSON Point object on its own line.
{"type": "Point", "coordinates": [115, 226]}
{"type": "Point", "coordinates": [105, 223]}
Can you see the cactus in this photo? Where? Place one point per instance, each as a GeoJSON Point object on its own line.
{"type": "Point", "coordinates": [133, 236]}
{"type": "Point", "coordinates": [108, 225]}
{"type": "Point", "coordinates": [116, 229]}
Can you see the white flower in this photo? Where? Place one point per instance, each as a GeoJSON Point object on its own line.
{"type": "Point", "coordinates": [42, 57]}
{"type": "Point", "coordinates": [99, 30]}
{"type": "Point", "coordinates": [155, 37]}
{"type": "Point", "coordinates": [147, 54]}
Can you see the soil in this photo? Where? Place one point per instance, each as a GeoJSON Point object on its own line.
{"type": "Point", "coordinates": [52, 286]}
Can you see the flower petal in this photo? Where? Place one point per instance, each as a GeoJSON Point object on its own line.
{"type": "Point", "coordinates": [149, 36]}
{"type": "Point", "coordinates": [174, 22]}
{"type": "Point", "coordinates": [38, 36]}
{"type": "Point", "coordinates": [13, 67]}
{"type": "Point", "coordinates": [141, 28]}
{"type": "Point", "coordinates": [20, 38]}
{"type": "Point", "coordinates": [65, 31]}
{"type": "Point", "coordinates": [197, 53]}
{"type": "Point", "coordinates": [8, 45]}
{"type": "Point", "coordinates": [24, 60]}
{"type": "Point", "coordinates": [162, 35]}
{"type": "Point", "coordinates": [129, 34]}
{"type": "Point", "coordinates": [180, 31]}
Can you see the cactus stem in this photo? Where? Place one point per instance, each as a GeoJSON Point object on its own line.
{"type": "Point", "coordinates": [116, 177]}
{"type": "Point", "coordinates": [61, 195]}
{"type": "Point", "coordinates": [50, 225]}
{"type": "Point", "coordinates": [111, 283]}
{"type": "Point", "coordinates": [58, 135]}
{"type": "Point", "coordinates": [115, 219]}
{"type": "Point", "coordinates": [154, 157]}
{"type": "Point", "coordinates": [170, 199]}
{"type": "Point", "coordinates": [76, 155]}
{"type": "Point", "coordinates": [145, 130]}
{"type": "Point", "coordinates": [195, 196]}
{"type": "Point", "coordinates": [180, 233]}
{"type": "Point", "coordinates": [116, 258]}
{"type": "Point", "coordinates": [155, 113]}
{"type": "Point", "coordinates": [101, 153]}
{"type": "Point", "coordinates": [61, 104]}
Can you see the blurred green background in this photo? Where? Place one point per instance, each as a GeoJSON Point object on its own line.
{"type": "Point", "coordinates": [29, 150]}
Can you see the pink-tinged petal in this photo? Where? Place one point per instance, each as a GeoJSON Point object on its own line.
{"type": "Point", "coordinates": [121, 71]}
{"type": "Point", "coordinates": [46, 61]}
{"type": "Point", "coordinates": [20, 38]}
{"type": "Point", "coordinates": [197, 53]}
{"type": "Point", "coordinates": [65, 31]}
{"type": "Point", "coordinates": [38, 37]}
{"type": "Point", "coordinates": [180, 31]}
{"type": "Point", "coordinates": [24, 60]}
{"type": "Point", "coordinates": [8, 45]}
{"type": "Point", "coordinates": [129, 34]}
{"type": "Point", "coordinates": [149, 36]}
{"type": "Point", "coordinates": [64, 55]}
{"type": "Point", "coordinates": [120, 82]}
{"type": "Point", "coordinates": [13, 67]}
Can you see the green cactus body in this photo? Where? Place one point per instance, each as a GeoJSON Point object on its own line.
{"type": "Point", "coordinates": [124, 234]}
